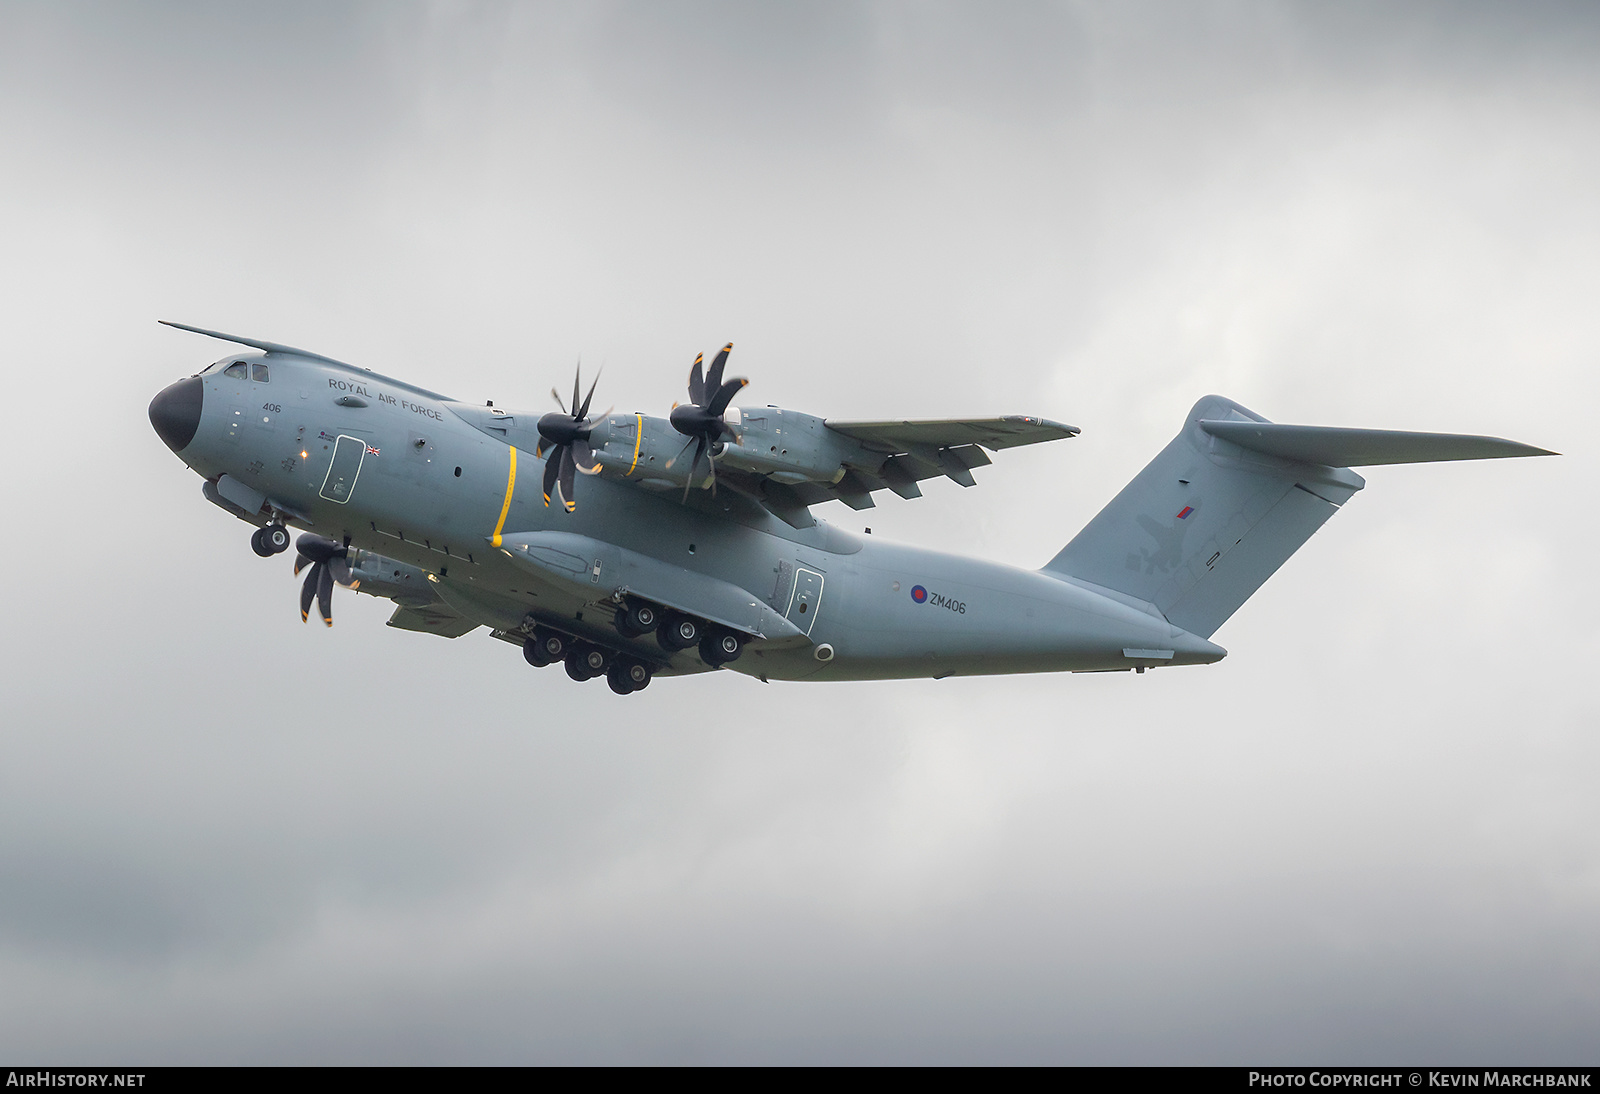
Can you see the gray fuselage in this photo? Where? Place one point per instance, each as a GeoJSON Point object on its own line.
{"type": "Point", "coordinates": [412, 476]}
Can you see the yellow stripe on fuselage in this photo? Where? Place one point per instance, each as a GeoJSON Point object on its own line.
{"type": "Point", "coordinates": [505, 506]}
{"type": "Point", "coordinates": [637, 439]}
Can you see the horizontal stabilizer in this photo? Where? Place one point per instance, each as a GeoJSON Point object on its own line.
{"type": "Point", "coordinates": [1335, 447]}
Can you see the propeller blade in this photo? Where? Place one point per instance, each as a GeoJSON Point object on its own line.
{"type": "Point", "coordinates": [564, 481]}
{"type": "Point", "coordinates": [342, 573]}
{"type": "Point", "coordinates": [552, 465]}
{"type": "Point", "coordinates": [300, 563]}
{"type": "Point", "coordinates": [577, 378]}
{"type": "Point", "coordinates": [308, 591]}
{"type": "Point", "coordinates": [699, 450]}
{"type": "Point", "coordinates": [681, 451]}
{"type": "Point", "coordinates": [557, 397]}
{"type": "Point", "coordinates": [583, 412]}
{"type": "Point", "coordinates": [725, 394]}
{"type": "Point", "coordinates": [697, 382]}
{"type": "Point", "coordinates": [325, 594]}
{"type": "Point", "coordinates": [714, 377]}
{"type": "Point", "coordinates": [583, 455]}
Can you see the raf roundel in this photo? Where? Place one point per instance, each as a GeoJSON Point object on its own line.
{"type": "Point", "coordinates": [919, 594]}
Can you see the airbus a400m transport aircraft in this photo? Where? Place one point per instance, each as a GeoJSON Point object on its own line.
{"type": "Point", "coordinates": [689, 544]}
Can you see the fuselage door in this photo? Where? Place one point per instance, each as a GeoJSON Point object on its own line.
{"type": "Point", "coordinates": [348, 452]}
{"type": "Point", "coordinates": [805, 600]}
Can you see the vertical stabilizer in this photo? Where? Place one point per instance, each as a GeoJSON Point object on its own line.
{"type": "Point", "coordinates": [1205, 523]}
{"type": "Point", "coordinates": [1230, 499]}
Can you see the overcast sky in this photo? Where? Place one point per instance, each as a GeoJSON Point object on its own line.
{"type": "Point", "coordinates": [1371, 834]}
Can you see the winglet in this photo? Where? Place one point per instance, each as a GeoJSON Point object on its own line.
{"type": "Point", "coordinates": [269, 347]}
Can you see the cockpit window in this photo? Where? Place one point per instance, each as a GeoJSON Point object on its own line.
{"type": "Point", "coordinates": [258, 373]}
{"type": "Point", "coordinates": [237, 370]}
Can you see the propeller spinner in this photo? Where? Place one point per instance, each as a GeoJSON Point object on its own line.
{"type": "Point", "coordinates": [701, 418]}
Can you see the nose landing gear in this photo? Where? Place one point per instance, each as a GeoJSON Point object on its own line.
{"type": "Point", "coordinates": [269, 541]}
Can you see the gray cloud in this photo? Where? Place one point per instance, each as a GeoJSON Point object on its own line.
{"type": "Point", "coordinates": [1367, 836]}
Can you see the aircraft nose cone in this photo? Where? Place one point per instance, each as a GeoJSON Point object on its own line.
{"type": "Point", "coordinates": [176, 412]}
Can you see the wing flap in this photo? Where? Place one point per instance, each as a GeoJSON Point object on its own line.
{"type": "Point", "coordinates": [434, 618]}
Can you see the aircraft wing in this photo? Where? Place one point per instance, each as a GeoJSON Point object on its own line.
{"type": "Point", "coordinates": [896, 455]}
{"type": "Point", "coordinates": [991, 433]}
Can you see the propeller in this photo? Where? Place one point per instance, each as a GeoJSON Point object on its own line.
{"type": "Point", "coordinates": [329, 561]}
{"type": "Point", "coordinates": [700, 419]}
{"type": "Point", "coordinates": [566, 437]}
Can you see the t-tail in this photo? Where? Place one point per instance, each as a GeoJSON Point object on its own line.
{"type": "Point", "coordinates": [1230, 499]}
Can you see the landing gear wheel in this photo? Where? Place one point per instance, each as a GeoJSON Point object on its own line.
{"type": "Point", "coordinates": [627, 676]}
{"type": "Point", "coordinates": [679, 632]}
{"type": "Point", "coordinates": [258, 543]}
{"type": "Point", "coordinates": [276, 538]}
{"type": "Point", "coordinates": [551, 645]}
{"type": "Point", "coordinates": [637, 619]}
{"type": "Point", "coordinates": [585, 662]}
{"type": "Point", "coordinates": [643, 618]}
{"type": "Point", "coordinates": [721, 647]}
{"type": "Point", "coordinates": [533, 650]}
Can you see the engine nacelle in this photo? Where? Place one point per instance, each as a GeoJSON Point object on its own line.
{"type": "Point", "coordinates": [638, 447]}
{"type": "Point", "coordinates": [786, 445]}
{"type": "Point", "coordinates": [382, 576]}
{"type": "Point", "coordinates": [791, 447]}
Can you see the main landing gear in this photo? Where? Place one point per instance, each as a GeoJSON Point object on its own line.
{"type": "Point", "coordinates": [676, 631]}
{"type": "Point", "coordinates": [625, 673]}
{"type": "Point", "coordinates": [269, 541]}
{"type": "Point", "coordinates": [586, 661]}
